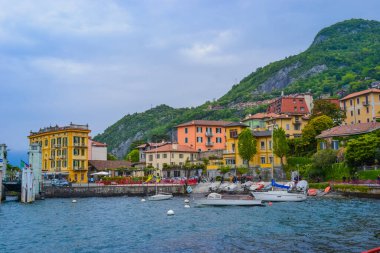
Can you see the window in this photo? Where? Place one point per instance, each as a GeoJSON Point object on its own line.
{"type": "Point", "coordinates": [199, 129]}
{"type": "Point", "coordinates": [199, 139]}
{"type": "Point", "coordinates": [76, 151]}
{"type": "Point", "coordinates": [335, 145]}
{"type": "Point", "coordinates": [52, 142]}
{"type": "Point", "coordinates": [233, 147]}
{"type": "Point", "coordinates": [262, 145]}
{"type": "Point", "coordinates": [302, 109]}
{"type": "Point", "coordinates": [270, 160]}
{"type": "Point", "coordinates": [218, 130]}
{"type": "Point", "coordinates": [181, 156]}
{"type": "Point", "coordinates": [295, 108]}
{"type": "Point", "coordinates": [64, 163]}
{"type": "Point", "coordinates": [150, 158]}
{"type": "Point", "coordinates": [177, 173]}
{"type": "Point", "coordinates": [76, 140]}
{"type": "Point", "coordinates": [358, 101]}
{"type": "Point", "coordinates": [233, 133]}
{"type": "Point", "coordinates": [64, 141]}
{"type": "Point", "coordinates": [208, 130]}
{"type": "Point", "coordinates": [230, 161]}
{"type": "Point", "coordinates": [297, 127]}
{"type": "Point", "coordinates": [351, 102]}
{"type": "Point", "coordinates": [367, 110]}
{"type": "Point", "coordinates": [186, 130]}
{"type": "Point", "coordinates": [165, 156]}
{"type": "Point", "coordinates": [46, 143]}
{"type": "Point", "coordinates": [218, 140]}
{"type": "Point", "coordinates": [158, 156]}
{"type": "Point", "coordinates": [81, 176]}
{"type": "Point", "coordinates": [186, 140]}
{"type": "Point", "coordinates": [52, 165]}
{"type": "Point", "coordinates": [359, 121]}
{"type": "Point", "coordinates": [262, 159]}
{"type": "Point", "coordinates": [173, 155]}
{"type": "Point", "coordinates": [82, 152]}
{"type": "Point", "coordinates": [344, 105]}
{"type": "Point", "coordinates": [352, 113]}
{"type": "Point", "coordinates": [367, 120]}
{"type": "Point", "coordinates": [180, 163]}
{"type": "Point", "coordinates": [287, 127]}
{"type": "Point", "coordinates": [270, 145]}
{"type": "Point", "coordinates": [358, 111]}
{"type": "Point", "coordinates": [75, 177]}
{"type": "Point", "coordinates": [322, 145]}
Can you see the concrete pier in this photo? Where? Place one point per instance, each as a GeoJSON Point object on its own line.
{"type": "Point", "coordinates": [111, 190]}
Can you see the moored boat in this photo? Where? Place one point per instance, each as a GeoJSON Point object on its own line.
{"type": "Point", "coordinates": [276, 196]}
{"type": "Point", "coordinates": [215, 199]}
{"type": "Point", "coordinates": [161, 196]}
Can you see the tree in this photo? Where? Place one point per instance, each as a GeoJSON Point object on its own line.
{"type": "Point", "coordinates": [111, 157]}
{"type": "Point", "coordinates": [363, 150]}
{"type": "Point", "coordinates": [323, 161]}
{"type": "Point", "coordinates": [280, 144]}
{"type": "Point", "coordinates": [246, 145]}
{"type": "Point", "coordinates": [324, 107]}
{"type": "Point", "coordinates": [242, 170]}
{"type": "Point", "coordinates": [133, 156]}
{"type": "Point", "coordinates": [314, 128]}
{"type": "Point", "coordinates": [223, 170]}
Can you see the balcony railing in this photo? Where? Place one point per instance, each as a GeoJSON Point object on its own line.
{"type": "Point", "coordinates": [235, 135]}
{"type": "Point", "coordinates": [227, 152]}
{"type": "Point", "coordinates": [365, 103]}
{"type": "Point", "coordinates": [209, 134]}
{"type": "Point", "coordinates": [209, 144]}
{"type": "Point", "coordinates": [76, 168]}
{"type": "Point", "coordinates": [80, 144]}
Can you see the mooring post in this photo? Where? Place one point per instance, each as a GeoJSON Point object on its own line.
{"type": "Point", "coordinates": [1, 185]}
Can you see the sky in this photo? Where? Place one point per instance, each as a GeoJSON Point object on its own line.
{"type": "Point", "coordinates": [92, 62]}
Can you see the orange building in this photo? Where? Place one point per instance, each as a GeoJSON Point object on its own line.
{"type": "Point", "coordinates": [202, 135]}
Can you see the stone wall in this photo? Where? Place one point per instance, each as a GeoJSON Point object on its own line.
{"type": "Point", "coordinates": [112, 190]}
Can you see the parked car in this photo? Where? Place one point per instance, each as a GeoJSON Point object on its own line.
{"type": "Point", "coordinates": [60, 183]}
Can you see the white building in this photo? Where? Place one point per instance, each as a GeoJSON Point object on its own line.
{"type": "Point", "coordinates": [3, 159]}
{"type": "Point", "coordinates": [97, 150]}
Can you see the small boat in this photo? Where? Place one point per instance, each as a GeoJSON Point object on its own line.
{"type": "Point", "coordinates": [216, 199]}
{"type": "Point", "coordinates": [299, 194]}
{"type": "Point", "coordinates": [161, 196]}
{"type": "Point", "coordinates": [276, 196]}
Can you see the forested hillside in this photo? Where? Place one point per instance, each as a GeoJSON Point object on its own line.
{"type": "Point", "coordinates": [343, 58]}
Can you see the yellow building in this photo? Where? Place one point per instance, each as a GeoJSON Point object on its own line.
{"type": "Point", "coordinates": [64, 150]}
{"type": "Point", "coordinates": [362, 106]}
{"type": "Point", "coordinates": [292, 124]}
{"type": "Point", "coordinates": [263, 157]}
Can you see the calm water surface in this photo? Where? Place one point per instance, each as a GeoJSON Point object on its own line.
{"type": "Point", "coordinates": [124, 224]}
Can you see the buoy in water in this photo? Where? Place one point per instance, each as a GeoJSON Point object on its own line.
{"type": "Point", "coordinates": [74, 201]}
{"type": "Point", "coordinates": [187, 201]}
{"type": "Point", "coordinates": [270, 203]}
{"type": "Point", "coordinates": [142, 200]}
{"type": "Point", "coordinates": [170, 212]}
{"type": "Point", "coordinates": [187, 206]}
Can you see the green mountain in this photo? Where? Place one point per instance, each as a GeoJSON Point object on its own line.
{"type": "Point", "coordinates": [343, 58]}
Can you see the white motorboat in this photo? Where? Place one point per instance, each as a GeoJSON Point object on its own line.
{"type": "Point", "coordinates": [276, 196]}
{"type": "Point", "coordinates": [215, 199]}
{"type": "Point", "coordinates": [161, 196]}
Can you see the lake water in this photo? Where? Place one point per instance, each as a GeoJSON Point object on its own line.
{"type": "Point", "coordinates": [125, 224]}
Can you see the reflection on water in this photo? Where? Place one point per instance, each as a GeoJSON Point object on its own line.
{"type": "Point", "coordinates": [124, 224]}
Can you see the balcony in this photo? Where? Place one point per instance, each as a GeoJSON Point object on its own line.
{"type": "Point", "coordinates": [209, 144]}
{"type": "Point", "coordinates": [297, 122]}
{"type": "Point", "coordinates": [365, 103]}
{"type": "Point", "coordinates": [209, 134]}
{"type": "Point", "coordinates": [83, 145]}
{"type": "Point", "coordinates": [76, 168]}
{"type": "Point", "coordinates": [234, 135]}
{"type": "Point", "coordinates": [228, 152]}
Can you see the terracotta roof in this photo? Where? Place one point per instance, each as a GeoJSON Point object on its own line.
{"type": "Point", "coordinates": [347, 130]}
{"type": "Point", "coordinates": [205, 123]}
{"type": "Point", "coordinates": [233, 124]}
{"type": "Point", "coordinates": [172, 148]}
{"type": "Point", "coordinates": [98, 144]}
{"type": "Point", "coordinates": [352, 95]}
{"type": "Point", "coordinates": [260, 115]}
{"type": "Point", "coordinates": [109, 165]}
{"type": "Point", "coordinates": [152, 144]}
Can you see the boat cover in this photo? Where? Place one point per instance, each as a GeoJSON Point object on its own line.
{"type": "Point", "coordinates": [274, 184]}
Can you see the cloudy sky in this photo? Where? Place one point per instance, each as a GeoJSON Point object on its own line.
{"type": "Point", "coordinates": [95, 61]}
